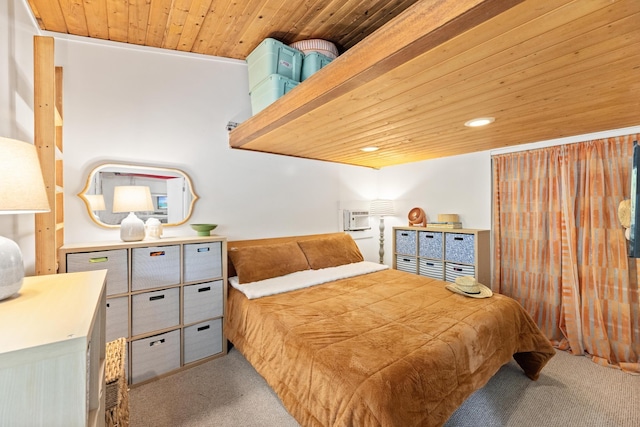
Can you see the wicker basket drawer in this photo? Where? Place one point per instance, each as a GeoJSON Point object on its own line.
{"type": "Point", "coordinates": [155, 356]}
{"type": "Point", "coordinates": [459, 248]}
{"type": "Point", "coordinates": [115, 261]}
{"type": "Point", "coordinates": [406, 263]}
{"type": "Point", "coordinates": [451, 271]}
{"type": "Point", "coordinates": [406, 242]}
{"type": "Point", "coordinates": [431, 268]}
{"type": "Point", "coordinates": [430, 244]}
{"type": "Point", "coordinates": [155, 310]}
{"type": "Point", "coordinates": [117, 318]}
{"type": "Point", "coordinates": [203, 301]}
{"type": "Point", "coordinates": [154, 267]}
{"type": "Point", "coordinates": [202, 340]}
{"type": "Point", "coordinates": [202, 261]}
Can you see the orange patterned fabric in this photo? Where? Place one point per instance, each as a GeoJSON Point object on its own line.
{"type": "Point", "coordinates": [560, 250]}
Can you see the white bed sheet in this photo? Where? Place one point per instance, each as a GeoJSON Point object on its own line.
{"type": "Point", "coordinates": [304, 279]}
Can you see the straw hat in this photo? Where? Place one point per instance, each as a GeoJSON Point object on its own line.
{"type": "Point", "coordinates": [469, 287]}
{"type": "Point", "coordinates": [624, 213]}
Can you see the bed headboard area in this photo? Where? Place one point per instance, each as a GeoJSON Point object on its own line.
{"type": "Point", "coordinates": [258, 259]}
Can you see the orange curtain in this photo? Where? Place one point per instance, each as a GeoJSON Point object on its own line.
{"type": "Point", "coordinates": [559, 248]}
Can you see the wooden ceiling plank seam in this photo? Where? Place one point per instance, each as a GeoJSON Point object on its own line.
{"type": "Point", "coordinates": [208, 28]}
{"type": "Point", "coordinates": [175, 23]}
{"type": "Point", "coordinates": [96, 16]}
{"type": "Point", "coordinates": [51, 15]}
{"type": "Point", "coordinates": [601, 51]}
{"type": "Point", "coordinates": [391, 48]}
{"type": "Point", "coordinates": [118, 20]}
{"type": "Point", "coordinates": [373, 21]}
{"type": "Point", "coordinates": [239, 23]}
{"type": "Point", "coordinates": [74, 17]}
{"type": "Point", "coordinates": [139, 12]}
{"type": "Point", "coordinates": [288, 19]}
{"type": "Point", "coordinates": [333, 13]}
{"type": "Point", "coordinates": [296, 29]}
{"type": "Point", "coordinates": [375, 118]}
{"type": "Point", "coordinates": [263, 24]}
{"type": "Point", "coordinates": [193, 24]}
{"type": "Point", "coordinates": [158, 18]}
{"type": "Point", "coordinates": [224, 22]}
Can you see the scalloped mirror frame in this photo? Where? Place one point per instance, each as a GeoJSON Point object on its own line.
{"type": "Point", "coordinates": [130, 167]}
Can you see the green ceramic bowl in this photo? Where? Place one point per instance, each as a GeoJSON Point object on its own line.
{"type": "Point", "coordinates": [204, 229]}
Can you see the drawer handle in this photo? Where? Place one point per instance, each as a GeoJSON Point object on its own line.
{"type": "Point", "coordinates": [429, 236]}
{"type": "Point", "coordinates": [406, 259]}
{"type": "Point", "coordinates": [203, 328]}
{"type": "Point", "coordinates": [152, 343]}
{"type": "Point", "coordinates": [99, 259]}
{"type": "Point", "coordinates": [108, 305]}
{"type": "Point", "coordinates": [404, 234]}
{"type": "Point", "coordinates": [457, 269]}
{"type": "Point", "coordinates": [156, 297]}
{"type": "Point", "coordinates": [203, 249]}
{"type": "Point", "coordinates": [458, 238]}
{"type": "Point", "coordinates": [208, 288]}
{"type": "Point", "coordinates": [430, 264]}
{"type": "Point", "coordinates": [156, 253]}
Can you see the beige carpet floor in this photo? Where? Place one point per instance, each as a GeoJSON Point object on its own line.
{"type": "Point", "coordinates": [572, 391]}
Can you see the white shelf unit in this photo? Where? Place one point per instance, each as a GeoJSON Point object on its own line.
{"type": "Point", "coordinates": [443, 254]}
{"type": "Point", "coordinates": [52, 352]}
{"type": "Point", "coordinates": [165, 296]}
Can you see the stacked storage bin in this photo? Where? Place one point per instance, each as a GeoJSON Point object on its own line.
{"type": "Point", "coordinates": [317, 54]}
{"type": "Point", "coordinates": [274, 69]}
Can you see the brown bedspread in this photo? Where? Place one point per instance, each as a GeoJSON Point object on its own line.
{"type": "Point", "coordinates": [386, 348]}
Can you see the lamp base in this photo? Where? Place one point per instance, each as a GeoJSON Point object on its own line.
{"type": "Point", "coordinates": [11, 268]}
{"type": "Point", "coordinates": [131, 228]}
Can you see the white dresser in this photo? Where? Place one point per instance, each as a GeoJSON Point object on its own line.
{"type": "Point", "coordinates": [165, 296]}
{"type": "Point", "coordinates": [52, 352]}
{"type": "Point", "coordinates": [443, 254]}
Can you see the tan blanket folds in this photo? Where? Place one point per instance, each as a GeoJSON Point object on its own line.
{"type": "Point", "coordinates": [382, 349]}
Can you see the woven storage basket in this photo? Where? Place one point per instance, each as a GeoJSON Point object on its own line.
{"type": "Point", "coordinates": [116, 393]}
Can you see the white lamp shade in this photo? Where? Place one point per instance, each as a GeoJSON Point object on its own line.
{"type": "Point", "coordinates": [96, 202]}
{"type": "Point", "coordinates": [382, 207]}
{"type": "Point", "coordinates": [132, 198]}
{"type": "Point", "coordinates": [22, 188]}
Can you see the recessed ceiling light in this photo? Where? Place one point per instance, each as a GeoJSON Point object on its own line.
{"type": "Point", "coordinates": [480, 121]}
{"type": "Point", "coordinates": [369, 149]}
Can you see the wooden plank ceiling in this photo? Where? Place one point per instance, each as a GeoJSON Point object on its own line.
{"type": "Point", "coordinates": [228, 28]}
{"type": "Point", "coordinates": [543, 69]}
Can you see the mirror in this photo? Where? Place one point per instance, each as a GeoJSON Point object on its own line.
{"type": "Point", "coordinates": [171, 192]}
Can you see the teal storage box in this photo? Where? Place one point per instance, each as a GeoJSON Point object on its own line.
{"type": "Point", "coordinates": [273, 57]}
{"type": "Point", "coordinates": [269, 90]}
{"type": "Point", "coordinates": [311, 63]}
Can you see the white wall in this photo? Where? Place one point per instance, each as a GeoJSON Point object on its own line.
{"type": "Point", "coordinates": [16, 105]}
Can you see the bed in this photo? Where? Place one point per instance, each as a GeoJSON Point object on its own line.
{"type": "Point", "coordinates": [346, 342]}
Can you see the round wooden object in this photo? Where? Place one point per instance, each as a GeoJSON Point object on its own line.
{"type": "Point", "coordinates": [417, 218]}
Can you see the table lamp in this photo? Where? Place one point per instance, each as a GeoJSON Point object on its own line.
{"type": "Point", "coordinates": [381, 208]}
{"type": "Point", "coordinates": [22, 191]}
{"type": "Point", "coordinates": [132, 198]}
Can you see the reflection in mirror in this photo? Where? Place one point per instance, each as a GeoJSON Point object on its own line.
{"type": "Point", "coordinates": [171, 191]}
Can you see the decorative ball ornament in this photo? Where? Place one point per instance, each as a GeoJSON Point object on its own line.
{"type": "Point", "coordinates": [417, 218]}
